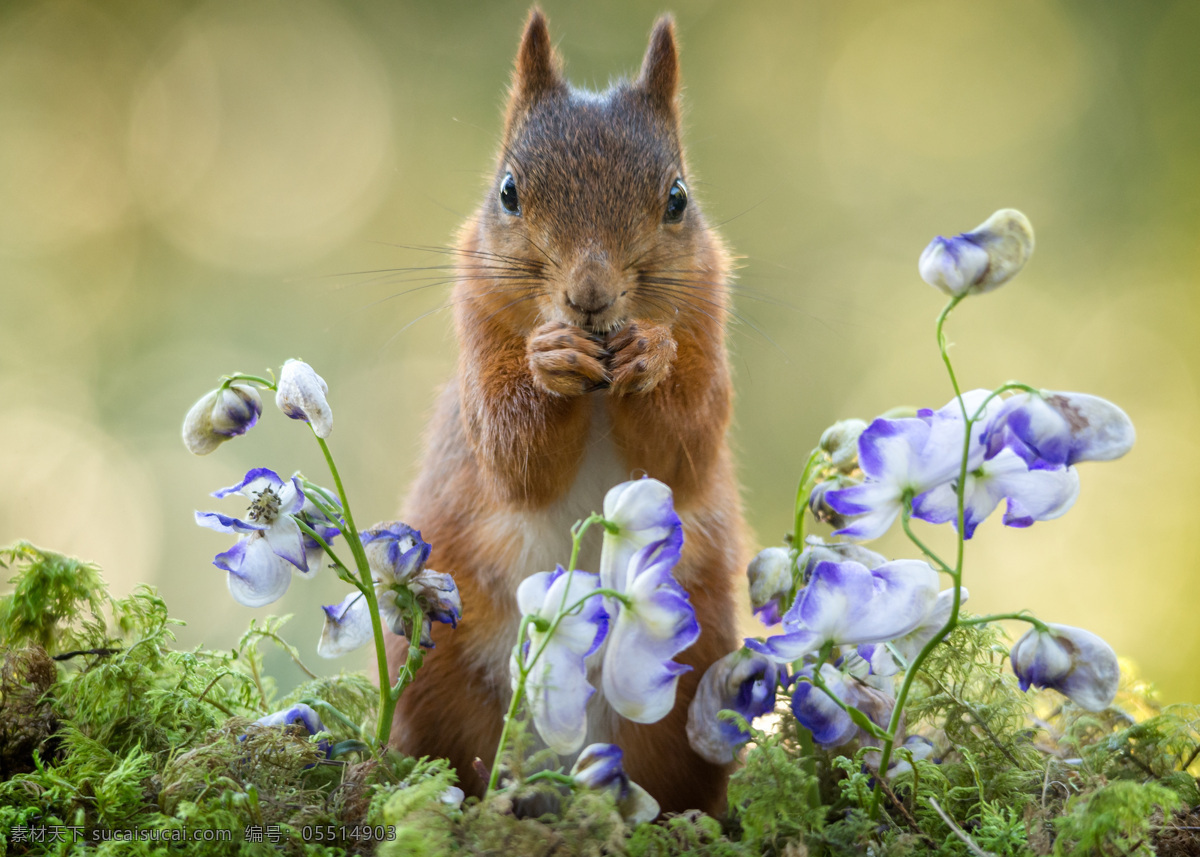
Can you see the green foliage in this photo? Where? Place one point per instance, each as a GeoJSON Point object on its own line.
{"type": "Point", "coordinates": [56, 601]}
{"type": "Point", "coordinates": [1114, 819]}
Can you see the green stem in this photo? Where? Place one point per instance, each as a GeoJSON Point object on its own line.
{"type": "Point", "coordinates": [906, 523]}
{"type": "Point", "coordinates": [241, 376]}
{"type": "Point", "coordinates": [1019, 616]}
{"type": "Point", "coordinates": [803, 490]}
{"type": "Point", "coordinates": [416, 656]}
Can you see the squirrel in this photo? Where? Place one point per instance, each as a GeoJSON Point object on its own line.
{"type": "Point", "coordinates": [590, 304]}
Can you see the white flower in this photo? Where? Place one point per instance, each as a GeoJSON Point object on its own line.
{"type": "Point", "coordinates": [301, 395]}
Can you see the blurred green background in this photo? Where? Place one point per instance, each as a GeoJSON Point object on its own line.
{"type": "Point", "coordinates": [187, 188]}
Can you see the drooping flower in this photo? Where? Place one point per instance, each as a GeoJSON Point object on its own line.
{"type": "Point", "coordinates": [840, 440]}
{"type": "Point", "coordinates": [879, 655]}
{"type": "Point", "coordinates": [1039, 494]}
{"type": "Point", "coordinates": [980, 260]}
{"type": "Point", "coordinates": [303, 714]}
{"type": "Point", "coordinates": [830, 725]}
{"type": "Point", "coordinates": [643, 512]}
{"type": "Point", "coordinates": [599, 768]}
{"type": "Point", "coordinates": [1075, 662]}
{"type": "Point", "coordinates": [653, 625]}
{"type": "Point", "coordinates": [271, 547]}
{"type": "Point", "coordinates": [847, 604]}
{"type": "Point", "coordinates": [557, 686]}
{"type": "Point", "coordinates": [770, 574]}
{"type": "Point", "coordinates": [301, 394]}
{"type": "Point", "coordinates": [396, 556]}
{"type": "Point", "coordinates": [1054, 429]}
{"type": "Point", "coordinates": [743, 681]}
{"type": "Point", "coordinates": [904, 458]}
{"type": "Point", "coordinates": [220, 415]}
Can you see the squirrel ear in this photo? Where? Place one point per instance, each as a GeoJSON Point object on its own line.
{"type": "Point", "coordinates": [536, 72]}
{"type": "Point", "coordinates": [660, 67]}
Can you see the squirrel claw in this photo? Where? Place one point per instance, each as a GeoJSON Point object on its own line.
{"type": "Point", "coordinates": [642, 356]}
{"type": "Point", "coordinates": [566, 361]}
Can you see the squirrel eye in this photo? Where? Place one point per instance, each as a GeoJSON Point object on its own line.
{"type": "Point", "coordinates": [676, 202]}
{"type": "Point", "coordinates": [508, 194]}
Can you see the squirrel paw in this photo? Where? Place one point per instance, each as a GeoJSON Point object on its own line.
{"type": "Point", "coordinates": [565, 360]}
{"type": "Point", "coordinates": [642, 356]}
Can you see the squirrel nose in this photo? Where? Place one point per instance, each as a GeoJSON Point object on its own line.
{"type": "Point", "coordinates": [590, 302]}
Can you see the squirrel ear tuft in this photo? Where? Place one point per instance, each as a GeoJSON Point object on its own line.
{"type": "Point", "coordinates": [660, 67]}
{"type": "Point", "coordinates": [536, 72]}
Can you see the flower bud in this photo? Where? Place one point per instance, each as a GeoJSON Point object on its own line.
{"type": "Point", "coordinates": [840, 440]}
{"type": "Point", "coordinates": [219, 415]}
{"type": "Point", "coordinates": [301, 395]}
{"type": "Point", "coordinates": [599, 768]}
{"type": "Point", "coordinates": [981, 260]}
{"type": "Point", "coordinates": [1075, 662]}
{"type": "Point", "coordinates": [742, 681]}
{"type": "Point", "coordinates": [770, 576]}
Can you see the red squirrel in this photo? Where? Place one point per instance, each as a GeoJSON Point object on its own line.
{"type": "Point", "coordinates": [590, 305]}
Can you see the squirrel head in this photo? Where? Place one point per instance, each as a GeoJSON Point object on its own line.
{"type": "Point", "coordinates": [589, 204]}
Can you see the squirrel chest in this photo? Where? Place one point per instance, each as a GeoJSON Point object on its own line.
{"type": "Point", "coordinates": [590, 303]}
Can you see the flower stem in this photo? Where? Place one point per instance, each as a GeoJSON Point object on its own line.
{"type": "Point", "coordinates": [1019, 616]}
{"type": "Point", "coordinates": [807, 479]}
{"type": "Point", "coordinates": [241, 376]}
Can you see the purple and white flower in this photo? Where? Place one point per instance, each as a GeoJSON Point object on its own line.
{"type": "Point", "coordinates": [1053, 429]}
{"type": "Point", "coordinates": [599, 768]}
{"type": "Point", "coordinates": [743, 681]}
{"type": "Point", "coordinates": [1075, 662]}
{"type": "Point", "coordinates": [219, 415]}
{"type": "Point", "coordinates": [557, 686]}
{"type": "Point", "coordinates": [396, 556]}
{"type": "Point", "coordinates": [830, 725]}
{"type": "Point", "coordinates": [654, 623]}
{"type": "Point", "coordinates": [1032, 494]}
{"type": "Point", "coordinates": [642, 512]}
{"type": "Point", "coordinates": [847, 604]}
{"type": "Point", "coordinates": [303, 714]}
{"type": "Point", "coordinates": [840, 440]}
{"type": "Point", "coordinates": [770, 574]}
{"type": "Point", "coordinates": [880, 657]}
{"type": "Point", "coordinates": [301, 394]}
{"type": "Point", "coordinates": [904, 458]}
{"type": "Point", "coordinates": [980, 260]}
{"type": "Point", "coordinates": [271, 547]}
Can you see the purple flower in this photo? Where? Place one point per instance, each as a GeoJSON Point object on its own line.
{"type": "Point", "coordinates": [301, 395]}
{"type": "Point", "coordinates": [396, 555]}
{"type": "Point", "coordinates": [742, 681]}
{"type": "Point", "coordinates": [1032, 494]}
{"type": "Point", "coordinates": [1055, 429]}
{"type": "Point", "coordinates": [557, 686]}
{"type": "Point", "coordinates": [221, 414]}
{"type": "Point", "coordinates": [840, 440]}
{"type": "Point", "coordinates": [904, 458]}
{"type": "Point", "coordinates": [847, 604]}
{"type": "Point", "coordinates": [300, 713]}
{"type": "Point", "coordinates": [770, 576]}
{"type": "Point", "coordinates": [655, 623]}
{"type": "Point", "coordinates": [599, 768]}
{"type": "Point", "coordinates": [819, 714]}
{"type": "Point", "coordinates": [879, 655]}
{"type": "Point", "coordinates": [642, 512]}
{"type": "Point", "coordinates": [982, 259]}
{"type": "Point", "coordinates": [1075, 662]}
{"type": "Point", "coordinates": [271, 547]}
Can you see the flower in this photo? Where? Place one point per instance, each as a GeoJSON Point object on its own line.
{"type": "Point", "coordinates": [599, 768]}
{"type": "Point", "coordinates": [818, 550]}
{"type": "Point", "coordinates": [641, 512]}
{"type": "Point", "coordinates": [830, 725]}
{"type": "Point", "coordinates": [1075, 662]}
{"type": "Point", "coordinates": [301, 395]}
{"type": "Point", "coordinates": [980, 260]}
{"type": "Point", "coordinates": [845, 603]}
{"type": "Point", "coordinates": [770, 576]}
{"type": "Point", "coordinates": [396, 556]}
{"type": "Point", "coordinates": [903, 458]}
{"type": "Point", "coordinates": [1053, 429]}
{"type": "Point", "coordinates": [261, 563]}
{"type": "Point", "coordinates": [840, 440]}
{"type": "Point", "coordinates": [219, 415]}
{"type": "Point", "coordinates": [654, 623]}
{"type": "Point", "coordinates": [1032, 494]}
{"type": "Point", "coordinates": [303, 714]}
{"type": "Point", "coordinates": [557, 685]}
{"type": "Point", "coordinates": [742, 681]}
{"type": "Point", "coordinates": [879, 655]}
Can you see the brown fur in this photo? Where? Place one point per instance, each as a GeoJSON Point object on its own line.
{"type": "Point", "coordinates": [586, 307]}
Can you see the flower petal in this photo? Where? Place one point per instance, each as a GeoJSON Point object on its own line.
{"type": "Point", "coordinates": [257, 576]}
{"type": "Point", "coordinates": [347, 626]}
{"type": "Point", "coordinates": [301, 395]}
{"type": "Point", "coordinates": [742, 681]}
{"type": "Point", "coordinates": [644, 513]}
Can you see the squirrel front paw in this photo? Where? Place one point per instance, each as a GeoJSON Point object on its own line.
{"type": "Point", "coordinates": [642, 356]}
{"type": "Point", "coordinates": [565, 360]}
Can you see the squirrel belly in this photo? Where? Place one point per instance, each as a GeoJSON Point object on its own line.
{"type": "Point", "coordinates": [590, 302]}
